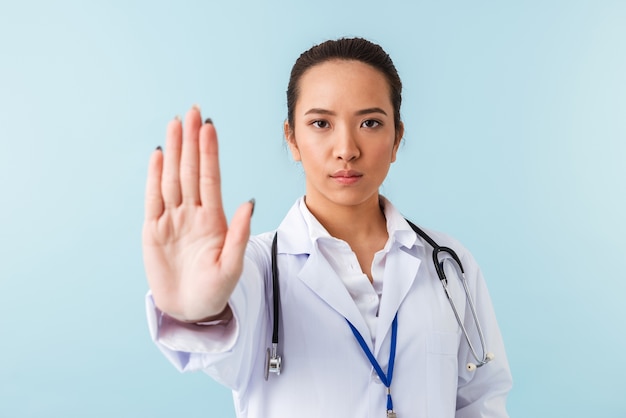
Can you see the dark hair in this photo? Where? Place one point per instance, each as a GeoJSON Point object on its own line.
{"type": "Point", "coordinates": [356, 49]}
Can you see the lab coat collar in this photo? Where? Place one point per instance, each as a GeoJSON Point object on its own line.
{"type": "Point", "coordinates": [301, 219]}
{"type": "Point", "coordinates": [400, 273]}
{"type": "Point", "coordinates": [293, 235]}
{"type": "Point", "coordinates": [317, 274]}
{"type": "Point", "coordinates": [397, 226]}
{"type": "Point", "coordinates": [296, 237]}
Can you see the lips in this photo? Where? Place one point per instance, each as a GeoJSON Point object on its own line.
{"type": "Point", "coordinates": [346, 176]}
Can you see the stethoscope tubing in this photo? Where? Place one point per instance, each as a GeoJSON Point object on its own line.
{"type": "Point", "coordinates": [274, 360]}
{"type": "Point", "coordinates": [437, 251]}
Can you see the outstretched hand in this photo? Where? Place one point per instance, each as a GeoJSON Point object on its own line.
{"type": "Point", "coordinates": [193, 259]}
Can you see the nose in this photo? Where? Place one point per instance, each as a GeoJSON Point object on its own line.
{"type": "Point", "coordinates": [346, 146]}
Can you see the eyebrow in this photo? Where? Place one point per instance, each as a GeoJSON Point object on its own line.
{"type": "Point", "coordinates": [320, 111]}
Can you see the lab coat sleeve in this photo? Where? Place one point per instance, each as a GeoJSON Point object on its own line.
{"type": "Point", "coordinates": [482, 393]}
{"type": "Point", "coordinates": [223, 349]}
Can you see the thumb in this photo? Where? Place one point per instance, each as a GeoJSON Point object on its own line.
{"type": "Point", "coordinates": [237, 239]}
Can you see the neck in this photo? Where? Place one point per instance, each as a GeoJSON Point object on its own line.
{"type": "Point", "coordinates": [355, 223]}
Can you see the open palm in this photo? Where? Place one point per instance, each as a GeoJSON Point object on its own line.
{"type": "Point", "coordinates": [193, 259]}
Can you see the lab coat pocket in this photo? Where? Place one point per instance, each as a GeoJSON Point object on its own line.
{"type": "Point", "coordinates": [442, 369]}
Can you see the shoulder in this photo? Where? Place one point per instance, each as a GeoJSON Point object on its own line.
{"type": "Point", "coordinates": [259, 246]}
{"type": "Point", "coordinates": [443, 239]}
{"type": "Point", "coordinates": [293, 237]}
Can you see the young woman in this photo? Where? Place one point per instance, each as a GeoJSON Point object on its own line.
{"type": "Point", "coordinates": [365, 327]}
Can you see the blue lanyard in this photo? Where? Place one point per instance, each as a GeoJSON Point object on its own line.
{"type": "Point", "coordinates": [386, 379]}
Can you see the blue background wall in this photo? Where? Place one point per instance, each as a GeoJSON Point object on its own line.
{"type": "Point", "coordinates": [515, 144]}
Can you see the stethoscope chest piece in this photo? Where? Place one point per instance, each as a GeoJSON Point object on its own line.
{"type": "Point", "coordinates": [273, 362]}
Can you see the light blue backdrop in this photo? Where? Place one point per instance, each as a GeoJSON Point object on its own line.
{"type": "Point", "coordinates": [515, 144]}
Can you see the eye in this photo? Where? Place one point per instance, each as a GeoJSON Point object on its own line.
{"type": "Point", "coordinates": [370, 123]}
{"type": "Point", "coordinates": [322, 124]}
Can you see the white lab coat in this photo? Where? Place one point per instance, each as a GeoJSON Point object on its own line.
{"type": "Point", "coordinates": [325, 373]}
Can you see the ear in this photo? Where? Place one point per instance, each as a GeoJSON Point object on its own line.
{"type": "Point", "coordinates": [398, 139]}
{"type": "Point", "coordinates": [291, 142]}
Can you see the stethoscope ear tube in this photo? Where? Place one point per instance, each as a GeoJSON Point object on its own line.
{"type": "Point", "coordinates": [437, 251]}
{"type": "Point", "coordinates": [439, 265]}
{"type": "Point", "coordinates": [486, 356]}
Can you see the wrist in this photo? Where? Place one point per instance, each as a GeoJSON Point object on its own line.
{"type": "Point", "coordinates": [224, 316]}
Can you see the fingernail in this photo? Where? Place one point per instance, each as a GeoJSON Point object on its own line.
{"type": "Point", "coordinates": [253, 201]}
{"type": "Point", "coordinates": [177, 118]}
{"type": "Point", "coordinates": [158, 148]}
{"type": "Point", "coordinates": [197, 107]}
{"type": "Point", "coordinates": [208, 120]}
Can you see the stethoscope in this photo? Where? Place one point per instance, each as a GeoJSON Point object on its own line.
{"type": "Point", "coordinates": [273, 361]}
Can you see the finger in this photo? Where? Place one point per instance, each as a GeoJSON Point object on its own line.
{"type": "Point", "coordinates": [189, 163]}
{"type": "Point", "coordinates": [210, 180]}
{"type": "Point", "coordinates": [170, 182]}
{"type": "Point", "coordinates": [236, 240]}
{"type": "Point", "coordinates": [154, 199]}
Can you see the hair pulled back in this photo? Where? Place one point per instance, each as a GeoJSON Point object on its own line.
{"type": "Point", "coordinates": [350, 49]}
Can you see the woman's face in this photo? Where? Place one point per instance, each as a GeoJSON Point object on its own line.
{"type": "Point", "coordinates": [343, 133]}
